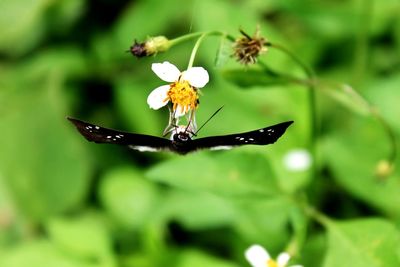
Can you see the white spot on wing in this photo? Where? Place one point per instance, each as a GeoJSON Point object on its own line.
{"type": "Point", "coordinates": [145, 148]}
{"type": "Point", "coordinates": [96, 127]}
{"type": "Point", "coordinates": [221, 148]}
{"type": "Point", "coordinates": [261, 131]}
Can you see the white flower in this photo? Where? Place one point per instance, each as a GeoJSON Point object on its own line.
{"type": "Point", "coordinates": [257, 256]}
{"type": "Point", "coordinates": [297, 160]}
{"type": "Point", "coordinates": [182, 90]}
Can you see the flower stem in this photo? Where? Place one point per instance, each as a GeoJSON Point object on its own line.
{"type": "Point", "coordinates": [201, 36]}
{"type": "Point", "coordinates": [311, 99]}
{"type": "Point", "coordinates": [362, 42]}
{"type": "Point", "coordinates": [194, 35]}
{"type": "Point", "coordinates": [194, 51]}
{"type": "Point", "coordinates": [317, 216]}
{"type": "Point", "coordinates": [391, 135]}
{"type": "Point", "coordinates": [374, 112]}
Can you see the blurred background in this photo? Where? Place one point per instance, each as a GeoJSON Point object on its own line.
{"type": "Point", "coordinates": [67, 202]}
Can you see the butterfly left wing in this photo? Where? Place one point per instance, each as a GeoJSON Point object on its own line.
{"type": "Point", "coordinates": [263, 136]}
{"type": "Point", "coordinates": [141, 142]}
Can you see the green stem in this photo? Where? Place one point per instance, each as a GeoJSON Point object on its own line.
{"type": "Point", "coordinates": [200, 36]}
{"type": "Point", "coordinates": [311, 99]}
{"type": "Point", "coordinates": [316, 215]}
{"type": "Point", "coordinates": [195, 35]}
{"type": "Point", "coordinates": [194, 51]}
{"type": "Point", "coordinates": [301, 202]}
{"type": "Point", "coordinates": [390, 134]}
{"type": "Point", "coordinates": [385, 125]}
{"type": "Point", "coordinates": [301, 214]}
{"type": "Point", "coordinates": [361, 42]}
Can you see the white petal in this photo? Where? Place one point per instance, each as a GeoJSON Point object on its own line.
{"type": "Point", "coordinates": [283, 259]}
{"type": "Point", "coordinates": [157, 96]}
{"type": "Point", "coordinates": [257, 256]}
{"type": "Point", "coordinates": [196, 76]}
{"type": "Point", "coordinates": [166, 71]}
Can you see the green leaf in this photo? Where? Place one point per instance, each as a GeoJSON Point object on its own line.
{"type": "Point", "coordinates": [364, 242]}
{"type": "Point", "coordinates": [264, 221]}
{"type": "Point", "coordinates": [162, 13]}
{"type": "Point", "coordinates": [354, 166]}
{"type": "Point", "coordinates": [84, 237]}
{"type": "Point", "coordinates": [199, 210]}
{"type": "Point", "coordinates": [383, 94]}
{"type": "Point", "coordinates": [21, 24]}
{"type": "Point", "coordinates": [253, 77]}
{"type": "Point", "coordinates": [45, 165]}
{"type": "Point", "coordinates": [64, 13]}
{"type": "Point", "coordinates": [195, 258]}
{"type": "Point", "coordinates": [128, 197]}
{"type": "Point", "coordinates": [347, 96]}
{"type": "Point", "coordinates": [231, 173]}
{"type": "Point", "coordinates": [311, 252]}
{"type": "Point", "coordinates": [224, 52]}
{"type": "Point", "coordinates": [131, 96]}
{"type": "Point", "coordinates": [230, 17]}
{"type": "Point", "coordinates": [40, 253]}
{"type": "Point", "coordinates": [300, 224]}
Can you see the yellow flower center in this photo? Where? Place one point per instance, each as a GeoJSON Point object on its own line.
{"type": "Point", "coordinates": [183, 94]}
{"type": "Point", "coordinates": [272, 263]}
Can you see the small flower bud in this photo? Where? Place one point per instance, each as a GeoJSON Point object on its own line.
{"type": "Point", "coordinates": [151, 46]}
{"type": "Point", "coordinates": [383, 169]}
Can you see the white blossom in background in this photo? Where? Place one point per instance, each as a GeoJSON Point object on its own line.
{"type": "Point", "coordinates": [182, 89]}
{"type": "Point", "coordinates": [258, 256]}
{"type": "Point", "coordinates": [297, 160]}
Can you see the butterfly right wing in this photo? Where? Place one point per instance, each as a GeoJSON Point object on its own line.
{"type": "Point", "coordinates": [263, 136]}
{"type": "Point", "coordinates": [141, 142]}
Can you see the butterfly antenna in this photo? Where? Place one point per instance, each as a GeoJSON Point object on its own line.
{"type": "Point", "coordinates": [215, 113]}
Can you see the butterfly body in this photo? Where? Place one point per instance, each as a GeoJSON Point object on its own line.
{"type": "Point", "coordinates": [181, 141]}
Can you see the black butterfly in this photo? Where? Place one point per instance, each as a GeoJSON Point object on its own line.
{"type": "Point", "coordinates": [181, 142]}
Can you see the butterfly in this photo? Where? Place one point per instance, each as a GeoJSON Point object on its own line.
{"type": "Point", "coordinates": [181, 141]}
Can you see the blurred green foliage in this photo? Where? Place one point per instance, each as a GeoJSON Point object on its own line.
{"type": "Point", "coordinates": [67, 202]}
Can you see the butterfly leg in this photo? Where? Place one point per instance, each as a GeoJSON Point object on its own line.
{"type": "Point", "coordinates": [191, 126]}
{"type": "Point", "coordinates": [172, 122]}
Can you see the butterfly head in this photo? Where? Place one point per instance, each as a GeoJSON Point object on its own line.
{"type": "Point", "coordinates": [182, 134]}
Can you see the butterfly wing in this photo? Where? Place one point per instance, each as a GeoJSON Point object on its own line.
{"type": "Point", "coordinates": [141, 142]}
{"type": "Point", "coordinates": [263, 136]}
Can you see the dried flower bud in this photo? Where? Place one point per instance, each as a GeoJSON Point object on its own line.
{"type": "Point", "coordinates": [247, 49]}
{"type": "Point", "coordinates": [151, 46]}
